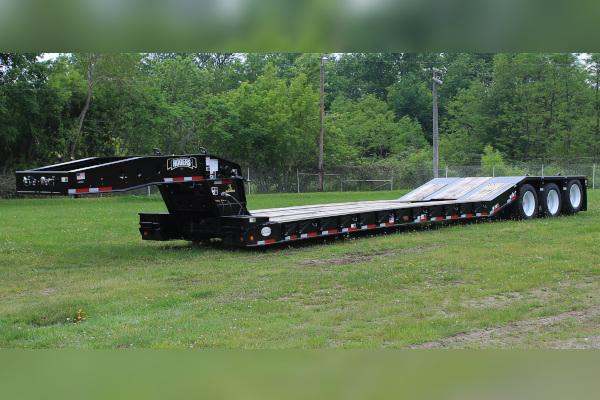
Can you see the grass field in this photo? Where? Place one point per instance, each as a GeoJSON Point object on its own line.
{"type": "Point", "coordinates": [74, 273]}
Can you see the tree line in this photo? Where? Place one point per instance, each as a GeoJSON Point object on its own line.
{"type": "Point", "coordinates": [262, 110]}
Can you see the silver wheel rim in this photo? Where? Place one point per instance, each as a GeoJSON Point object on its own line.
{"type": "Point", "coordinates": [528, 204]}
{"type": "Point", "coordinates": [575, 196]}
{"type": "Point", "coordinates": [553, 202]}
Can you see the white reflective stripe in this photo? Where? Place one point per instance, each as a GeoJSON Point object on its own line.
{"type": "Point", "coordinates": [84, 190]}
{"type": "Point", "coordinates": [180, 179]}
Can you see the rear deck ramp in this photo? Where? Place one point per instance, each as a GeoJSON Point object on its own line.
{"type": "Point", "coordinates": [468, 189]}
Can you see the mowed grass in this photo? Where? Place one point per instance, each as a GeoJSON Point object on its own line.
{"type": "Point", "coordinates": [61, 258]}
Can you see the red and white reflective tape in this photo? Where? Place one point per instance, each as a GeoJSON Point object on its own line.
{"type": "Point", "coordinates": [90, 190]}
{"type": "Point", "coordinates": [266, 241]}
{"type": "Point", "coordinates": [222, 182]}
{"type": "Point", "coordinates": [437, 218]}
{"type": "Point", "coordinates": [184, 179]}
{"type": "Point", "coordinates": [421, 220]}
{"type": "Point", "coordinates": [451, 216]}
{"type": "Point", "coordinates": [386, 224]}
{"type": "Point", "coordinates": [352, 228]}
{"type": "Point", "coordinates": [467, 215]}
{"type": "Point", "coordinates": [368, 226]}
{"type": "Point", "coordinates": [305, 235]}
{"type": "Point", "coordinates": [481, 214]}
{"type": "Point", "coordinates": [332, 231]}
{"type": "Point", "coordinates": [291, 237]}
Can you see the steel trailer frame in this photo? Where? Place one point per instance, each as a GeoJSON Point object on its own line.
{"type": "Point", "coordinates": [205, 198]}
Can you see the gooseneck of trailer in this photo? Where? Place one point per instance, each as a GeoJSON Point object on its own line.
{"type": "Point", "coordinates": [205, 198]}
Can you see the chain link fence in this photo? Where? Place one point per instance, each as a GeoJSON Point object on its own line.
{"type": "Point", "coordinates": [399, 176]}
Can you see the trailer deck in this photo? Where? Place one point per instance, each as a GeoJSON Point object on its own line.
{"type": "Point", "coordinates": [205, 199]}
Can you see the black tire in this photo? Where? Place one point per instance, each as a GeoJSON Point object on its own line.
{"type": "Point", "coordinates": [550, 200]}
{"type": "Point", "coordinates": [572, 197]}
{"type": "Point", "coordinates": [526, 206]}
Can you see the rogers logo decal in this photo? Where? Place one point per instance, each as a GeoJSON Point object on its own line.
{"type": "Point", "coordinates": [173, 163]}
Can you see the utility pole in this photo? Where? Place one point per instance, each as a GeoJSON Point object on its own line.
{"type": "Point", "coordinates": [436, 81]}
{"type": "Point", "coordinates": [321, 170]}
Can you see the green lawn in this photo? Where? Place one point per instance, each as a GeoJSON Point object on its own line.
{"type": "Point", "coordinates": [62, 255]}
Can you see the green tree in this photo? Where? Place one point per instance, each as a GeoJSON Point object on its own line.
{"type": "Point", "coordinates": [538, 105]}
{"type": "Point", "coordinates": [371, 131]}
{"type": "Point", "coordinates": [356, 75]}
{"type": "Point", "coordinates": [593, 64]}
{"type": "Point", "coordinates": [21, 102]}
{"type": "Point", "coordinates": [273, 125]}
{"type": "Point", "coordinates": [413, 97]}
{"type": "Point", "coordinates": [409, 139]}
{"type": "Point", "coordinates": [107, 78]}
{"type": "Point", "coordinates": [491, 161]}
{"type": "Point", "coordinates": [462, 133]}
{"type": "Point", "coordinates": [368, 125]}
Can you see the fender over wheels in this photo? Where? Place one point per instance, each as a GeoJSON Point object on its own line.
{"type": "Point", "coordinates": [526, 206]}
{"type": "Point", "coordinates": [550, 200]}
{"type": "Point", "coordinates": [572, 197]}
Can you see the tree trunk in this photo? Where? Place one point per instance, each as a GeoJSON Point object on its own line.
{"type": "Point", "coordinates": [92, 60]}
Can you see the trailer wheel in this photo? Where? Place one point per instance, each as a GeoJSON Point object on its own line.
{"type": "Point", "coordinates": [550, 200]}
{"type": "Point", "coordinates": [572, 198]}
{"type": "Point", "coordinates": [527, 203]}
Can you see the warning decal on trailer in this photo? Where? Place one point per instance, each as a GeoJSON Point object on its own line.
{"type": "Point", "coordinates": [212, 166]}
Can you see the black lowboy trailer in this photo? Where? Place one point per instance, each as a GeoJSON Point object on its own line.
{"type": "Point", "coordinates": [205, 199]}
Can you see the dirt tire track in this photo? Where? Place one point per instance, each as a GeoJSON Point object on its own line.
{"type": "Point", "coordinates": [510, 335]}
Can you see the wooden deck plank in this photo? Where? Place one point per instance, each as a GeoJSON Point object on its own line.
{"type": "Point", "coordinates": [299, 213]}
{"type": "Point", "coordinates": [461, 188]}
